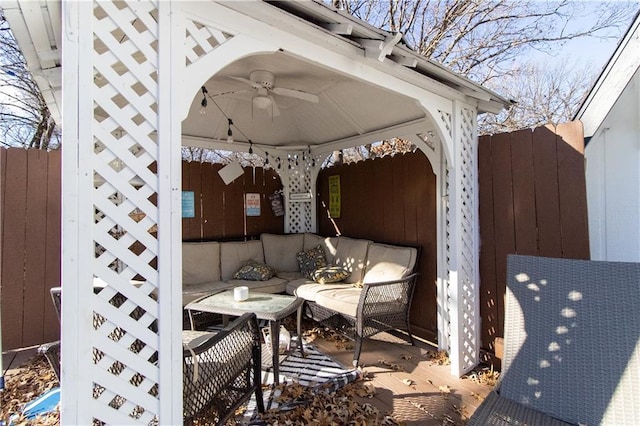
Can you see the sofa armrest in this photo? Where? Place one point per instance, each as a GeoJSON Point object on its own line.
{"type": "Point", "coordinates": [387, 297]}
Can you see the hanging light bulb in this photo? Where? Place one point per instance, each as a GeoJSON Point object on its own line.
{"type": "Point", "coordinates": [203, 110]}
{"type": "Point", "coordinates": [250, 147]}
{"type": "Point", "coordinates": [229, 132]}
{"type": "Point", "coordinates": [203, 103]}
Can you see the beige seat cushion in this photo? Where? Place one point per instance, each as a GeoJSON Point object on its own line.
{"type": "Point", "coordinates": [388, 263]}
{"type": "Point", "coordinates": [328, 244]}
{"type": "Point", "coordinates": [310, 290]}
{"type": "Point", "coordinates": [196, 291]}
{"type": "Point", "coordinates": [200, 262]}
{"type": "Point", "coordinates": [233, 255]}
{"type": "Point", "coordinates": [351, 255]}
{"type": "Point", "coordinates": [343, 300]}
{"type": "Point", "coordinates": [280, 251]}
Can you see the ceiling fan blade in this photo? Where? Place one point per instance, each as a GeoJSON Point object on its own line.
{"type": "Point", "coordinates": [298, 94]}
{"type": "Point", "coordinates": [247, 81]}
{"type": "Point", "coordinates": [233, 92]}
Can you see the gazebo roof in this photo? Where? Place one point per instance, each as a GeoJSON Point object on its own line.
{"type": "Point", "coordinates": [348, 111]}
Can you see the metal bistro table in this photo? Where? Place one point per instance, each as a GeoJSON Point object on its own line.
{"type": "Point", "coordinates": [271, 307]}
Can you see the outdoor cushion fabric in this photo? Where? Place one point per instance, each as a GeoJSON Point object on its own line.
{"type": "Point", "coordinates": [310, 260]}
{"type": "Point", "coordinates": [329, 244]}
{"type": "Point", "coordinates": [200, 262]}
{"type": "Point", "coordinates": [308, 290]}
{"type": "Point", "coordinates": [280, 251]}
{"type": "Point", "coordinates": [234, 254]}
{"type": "Point", "coordinates": [343, 300]}
{"type": "Point", "coordinates": [254, 271]}
{"type": "Point", "coordinates": [329, 274]}
{"type": "Point", "coordinates": [351, 255]}
{"type": "Point", "coordinates": [388, 263]}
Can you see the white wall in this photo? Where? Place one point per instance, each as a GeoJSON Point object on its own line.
{"type": "Point", "coordinates": [613, 180]}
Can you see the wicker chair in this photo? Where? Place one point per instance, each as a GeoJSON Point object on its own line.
{"type": "Point", "coordinates": [571, 345]}
{"type": "Point", "coordinates": [382, 306]}
{"type": "Point", "coordinates": [220, 370]}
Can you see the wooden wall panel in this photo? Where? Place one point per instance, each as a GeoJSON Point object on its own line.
{"type": "Point", "coordinates": [53, 240]}
{"type": "Point", "coordinates": [392, 200]}
{"type": "Point", "coordinates": [532, 196]}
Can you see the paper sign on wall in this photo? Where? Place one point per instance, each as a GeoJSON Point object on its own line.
{"type": "Point", "coordinates": [188, 204]}
{"type": "Point", "coordinates": [252, 203]}
{"type": "Point", "coordinates": [334, 196]}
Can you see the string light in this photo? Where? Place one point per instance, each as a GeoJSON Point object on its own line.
{"type": "Point", "coordinates": [250, 147]}
{"type": "Point", "coordinates": [203, 103]}
{"type": "Point", "coordinates": [229, 132]}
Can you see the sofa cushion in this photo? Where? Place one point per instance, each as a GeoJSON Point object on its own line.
{"type": "Point", "coordinates": [200, 262]}
{"type": "Point", "coordinates": [351, 255]}
{"type": "Point", "coordinates": [309, 290]}
{"type": "Point", "coordinates": [280, 250]}
{"type": "Point", "coordinates": [254, 271]}
{"type": "Point", "coordinates": [329, 244]}
{"type": "Point", "coordinates": [388, 263]}
{"type": "Point", "coordinates": [330, 274]}
{"type": "Point", "coordinates": [343, 300]}
{"type": "Point", "coordinates": [234, 254]}
{"type": "Point", "coordinates": [310, 260]}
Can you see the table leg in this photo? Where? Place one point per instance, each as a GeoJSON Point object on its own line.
{"type": "Point", "coordinates": [275, 349]}
{"type": "Point", "coordinates": [299, 326]}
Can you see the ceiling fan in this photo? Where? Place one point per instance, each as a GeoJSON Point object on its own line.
{"type": "Point", "coordinates": [263, 86]}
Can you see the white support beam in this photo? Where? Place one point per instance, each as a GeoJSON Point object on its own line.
{"type": "Point", "coordinates": [340, 29]}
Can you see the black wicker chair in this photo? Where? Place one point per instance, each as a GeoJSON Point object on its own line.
{"type": "Point", "coordinates": [382, 307]}
{"type": "Point", "coordinates": [220, 370]}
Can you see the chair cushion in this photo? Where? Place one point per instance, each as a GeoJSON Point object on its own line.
{"type": "Point", "coordinates": [329, 274]}
{"type": "Point", "coordinates": [388, 263]}
{"type": "Point", "coordinates": [234, 254]}
{"type": "Point", "coordinates": [200, 262]}
{"type": "Point", "coordinates": [309, 290]}
{"type": "Point", "coordinates": [254, 271]}
{"type": "Point", "coordinates": [310, 260]}
{"type": "Point", "coordinates": [280, 251]}
{"type": "Point", "coordinates": [329, 244]}
{"type": "Point", "coordinates": [351, 255]}
{"type": "Point", "coordinates": [342, 300]}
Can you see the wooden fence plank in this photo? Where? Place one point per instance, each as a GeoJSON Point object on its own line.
{"type": "Point", "coordinates": [53, 241]}
{"type": "Point", "coordinates": [571, 187]}
{"type": "Point", "coordinates": [524, 202]}
{"type": "Point", "coordinates": [547, 195]}
{"type": "Point", "coordinates": [35, 248]}
{"type": "Point", "coordinates": [491, 317]}
{"type": "Point", "coordinates": [13, 247]}
{"type": "Point", "coordinates": [234, 209]}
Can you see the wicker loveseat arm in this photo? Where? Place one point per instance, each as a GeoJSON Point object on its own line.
{"type": "Point", "coordinates": [222, 370]}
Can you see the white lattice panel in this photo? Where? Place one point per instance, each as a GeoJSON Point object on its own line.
{"type": "Point", "coordinates": [466, 291]}
{"type": "Point", "coordinates": [201, 40]}
{"type": "Point", "coordinates": [124, 338]}
{"type": "Point", "coordinates": [299, 214]}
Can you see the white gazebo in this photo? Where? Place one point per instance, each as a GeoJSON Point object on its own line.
{"type": "Point", "coordinates": [131, 92]}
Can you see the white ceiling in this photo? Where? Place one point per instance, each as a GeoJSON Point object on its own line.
{"type": "Point", "coordinates": [346, 107]}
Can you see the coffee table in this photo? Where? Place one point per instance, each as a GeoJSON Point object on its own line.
{"type": "Point", "coordinates": [271, 307]}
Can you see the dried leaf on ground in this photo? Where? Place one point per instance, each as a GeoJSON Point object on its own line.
{"type": "Point", "coordinates": [444, 389]}
{"type": "Point", "coordinates": [438, 357]}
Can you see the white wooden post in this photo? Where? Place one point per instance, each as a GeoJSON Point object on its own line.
{"type": "Point", "coordinates": [170, 78]}
{"type": "Point", "coordinates": [464, 279]}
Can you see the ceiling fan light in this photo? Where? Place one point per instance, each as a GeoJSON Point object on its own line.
{"type": "Point", "coordinates": [262, 102]}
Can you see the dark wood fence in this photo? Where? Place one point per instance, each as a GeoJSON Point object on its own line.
{"type": "Point", "coordinates": [393, 200]}
{"type": "Point", "coordinates": [219, 208]}
{"type": "Point", "coordinates": [532, 202]}
{"type": "Point", "coordinates": [30, 202]}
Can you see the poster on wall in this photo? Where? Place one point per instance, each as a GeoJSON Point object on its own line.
{"type": "Point", "coordinates": [252, 203]}
{"type": "Point", "coordinates": [334, 196]}
{"type": "Point", "coordinates": [277, 206]}
{"type": "Point", "coordinates": [188, 204]}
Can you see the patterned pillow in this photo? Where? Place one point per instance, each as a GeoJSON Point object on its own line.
{"type": "Point", "coordinates": [311, 260]}
{"type": "Point", "coordinates": [330, 274]}
{"type": "Point", "coordinates": [254, 271]}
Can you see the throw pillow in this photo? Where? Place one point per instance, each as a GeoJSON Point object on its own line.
{"type": "Point", "coordinates": [254, 271]}
{"type": "Point", "coordinates": [311, 260]}
{"type": "Point", "coordinates": [330, 274]}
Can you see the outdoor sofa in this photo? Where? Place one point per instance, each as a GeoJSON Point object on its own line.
{"type": "Point", "coordinates": [372, 293]}
{"type": "Point", "coordinates": [571, 352]}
